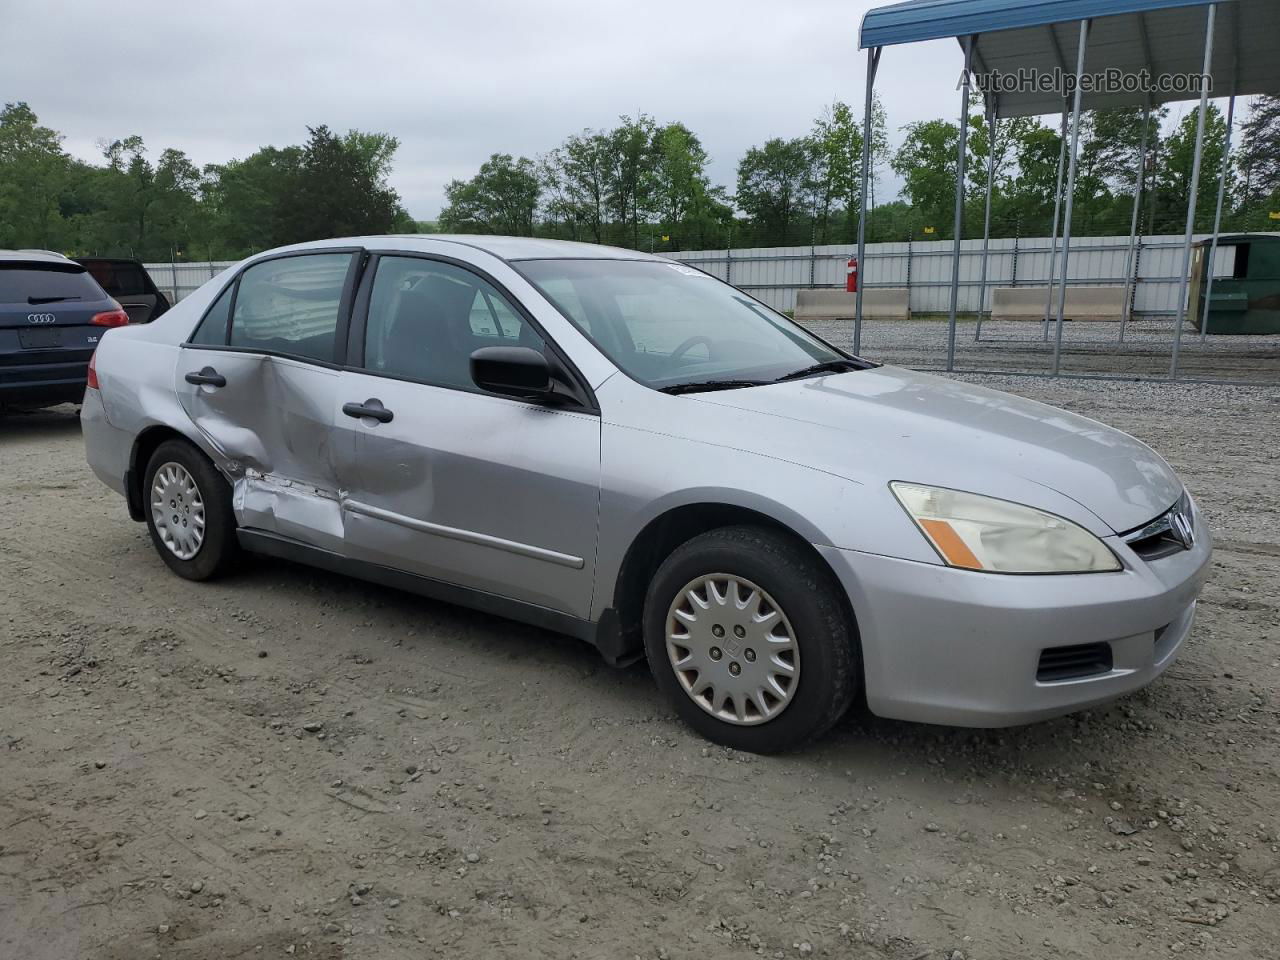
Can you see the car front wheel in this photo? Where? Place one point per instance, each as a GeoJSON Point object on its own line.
{"type": "Point", "coordinates": [188, 506]}
{"type": "Point", "coordinates": [746, 635]}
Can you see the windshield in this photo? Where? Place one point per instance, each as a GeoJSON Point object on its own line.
{"type": "Point", "coordinates": [668, 325]}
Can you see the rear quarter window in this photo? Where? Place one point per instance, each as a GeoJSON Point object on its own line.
{"type": "Point", "coordinates": [289, 305]}
{"type": "Point", "coordinates": [212, 331]}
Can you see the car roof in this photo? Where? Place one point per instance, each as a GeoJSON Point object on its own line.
{"type": "Point", "coordinates": [505, 248]}
{"type": "Point", "coordinates": [112, 260]}
{"type": "Point", "coordinates": [35, 256]}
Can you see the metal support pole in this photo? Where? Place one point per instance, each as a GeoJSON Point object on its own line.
{"type": "Point", "coordinates": [1071, 191]}
{"type": "Point", "coordinates": [873, 61]}
{"type": "Point", "coordinates": [908, 271]}
{"type": "Point", "coordinates": [728, 266]}
{"type": "Point", "coordinates": [986, 223]}
{"type": "Point", "coordinates": [1013, 269]}
{"type": "Point", "coordinates": [1193, 192]}
{"type": "Point", "coordinates": [958, 227]}
{"type": "Point", "coordinates": [1138, 183]}
{"type": "Point", "coordinates": [1053, 236]}
{"type": "Point", "coordinates": [1217, 216]}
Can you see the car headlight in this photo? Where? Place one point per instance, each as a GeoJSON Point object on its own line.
{"type": "Point", "coordinates": [982, 533]}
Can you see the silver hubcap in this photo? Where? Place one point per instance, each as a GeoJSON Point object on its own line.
{"type": "Point", "coordinates": [732, 649]}
{"type": "Point", "coordinates": [177, 510]}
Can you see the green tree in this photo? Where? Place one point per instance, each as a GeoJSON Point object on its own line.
{"type": "Point", "coordinates": [926, 161]}
{"type": "Point", "coordinates": [680, 186]}
{"type": "Point", "coordinates": [629, 165]}
{"type": "Point", "coordinates": [1173, 177]}
{"type": "Point", "coordinates": [1259, 154]}
{"type": "Point", "coordinates": [340, 187]}
{"type": "Point", "coordinates": [774, 186]}
{"type": "Point", "coordinates": [244, 201]}
{"type": "Point", "coordinates": [574, 175]}
{"type": "Point", "coordinates": [837, 168]}
{"type": "Point", "coordinates": [502, 198]}
{"type": "Point", "coordinates": [33, 174]}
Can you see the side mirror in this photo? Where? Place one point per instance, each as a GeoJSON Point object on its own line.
{"type": "Point", "coordinates": [512, 372]}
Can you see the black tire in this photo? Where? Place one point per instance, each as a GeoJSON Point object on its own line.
{"type": "Point", "coordinates": [219, 550]}
{"type": "Point", "coordinates": [807, 593]}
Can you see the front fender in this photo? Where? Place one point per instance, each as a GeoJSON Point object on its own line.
{"type": "Point", "coordinates": [645, 474]}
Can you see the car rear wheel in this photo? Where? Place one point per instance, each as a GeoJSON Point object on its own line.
{"type": "Point", "coordinates": [188, 507]}
{"type": "Point", "coordinates": [747, 637]}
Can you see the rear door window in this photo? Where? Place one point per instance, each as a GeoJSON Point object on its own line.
{"type": "Point", "coordinates": [290, 305]}
{"type": "Point", "coordinates": [33, 285]}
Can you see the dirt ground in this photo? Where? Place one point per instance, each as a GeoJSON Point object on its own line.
{"type": "Point", "coordinates": [286, 763]}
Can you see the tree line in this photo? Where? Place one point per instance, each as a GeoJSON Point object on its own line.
{"type": "Point", "coordinates": [641, 184]}
{"type": "Point", "coordinates": [130, 205]}
{"type": "Point", "coordinates": [645, 185]}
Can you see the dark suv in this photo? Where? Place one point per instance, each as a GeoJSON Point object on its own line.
{"type": "Point", "coordinates": [52, 314]}
{"type": "Point", "coordinates": [130, 284]}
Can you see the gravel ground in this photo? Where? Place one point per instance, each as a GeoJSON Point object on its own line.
{"type": "Point", "coordinates": [1087, 348]}
{"type": "Point", "coordinates": [285, 763]}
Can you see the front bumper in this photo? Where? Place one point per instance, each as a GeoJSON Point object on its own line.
{"type": "Point", "coordinates": [955, 647]}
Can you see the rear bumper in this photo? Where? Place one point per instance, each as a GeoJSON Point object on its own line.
{"type": "Point", "coordinates": [961, 648]}
{"type": "Point", "coordinates": [107, 448]}
{"type": "Point", "coordinates": [24, 385]}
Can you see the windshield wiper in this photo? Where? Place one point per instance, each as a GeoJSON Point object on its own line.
{"type": "Point", "coordinates": [705, 386]}
{"type": "Point", "coordinates": [49, 299]}
{"type": "Point", "coordinates": [827, 366]}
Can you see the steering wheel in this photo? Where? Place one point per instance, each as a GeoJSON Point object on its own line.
{"type": "Point", "coordinates": [689, 344]}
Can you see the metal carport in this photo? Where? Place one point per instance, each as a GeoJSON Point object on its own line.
{"type": "Point", "coordinates": [1229, 42]}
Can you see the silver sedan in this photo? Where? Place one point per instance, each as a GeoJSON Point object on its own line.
{"type": "Point", "coordinates": [622, 448]}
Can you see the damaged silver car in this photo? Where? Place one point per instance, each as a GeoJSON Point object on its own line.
{"type": "Point", "coordinates": [623, 448]}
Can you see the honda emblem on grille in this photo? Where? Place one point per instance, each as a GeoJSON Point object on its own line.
{"type": "Point", "coordinates": [1180, 527]}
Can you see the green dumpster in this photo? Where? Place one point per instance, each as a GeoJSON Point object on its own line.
{"type": "Point", "coordinates": [1246, 301]}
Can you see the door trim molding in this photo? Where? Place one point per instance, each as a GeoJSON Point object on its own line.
{"type": "Point", "coordinates": [465, 536]}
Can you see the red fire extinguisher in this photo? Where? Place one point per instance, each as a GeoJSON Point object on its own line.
{"type": "Point", "coordinates": [851, 279]}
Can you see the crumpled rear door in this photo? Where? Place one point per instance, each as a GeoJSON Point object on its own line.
{"type": "Point", "coordinates": [269, 426]}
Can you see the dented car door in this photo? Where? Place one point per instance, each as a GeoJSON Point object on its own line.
{"type": "Point", "coordinates": [258, 379]}
{"type": "Point", "coordinates": [444, 480]}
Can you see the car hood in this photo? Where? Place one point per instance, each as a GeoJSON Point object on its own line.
{"type": "Point", "coordinates": [887, 423]}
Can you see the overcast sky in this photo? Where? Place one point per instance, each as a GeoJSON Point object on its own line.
{"type": "Point", "coordinates": [454, 81]}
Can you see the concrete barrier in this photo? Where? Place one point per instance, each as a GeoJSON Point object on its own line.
{"type": "Point", "coordinates": [1083, 303]}
{"type": "Point", "coordinates": [883, 303]}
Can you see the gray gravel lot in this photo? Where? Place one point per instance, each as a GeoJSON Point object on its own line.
{"type": "Point", "coordinates": [1092, 347]}
{"type": "Point", "coordinates": [286, 763]}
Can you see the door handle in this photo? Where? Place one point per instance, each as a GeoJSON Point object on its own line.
{"type": "Point", "coordinates": [207, 376]}
{"type": "Point", "coordinates": [370, 408]}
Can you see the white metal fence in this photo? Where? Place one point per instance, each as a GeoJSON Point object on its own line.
{"type": "Point", "coordinates": [176, 280]}
{"type": "Point", "coordinates": [774, 274]}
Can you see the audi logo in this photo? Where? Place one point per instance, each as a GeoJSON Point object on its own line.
{"type": "Point", "coordinates": [40, 318]}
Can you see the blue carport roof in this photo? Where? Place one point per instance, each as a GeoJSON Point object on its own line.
{"type": "Point", "coordinates": [934, 19]}
{"type": "Point", "coordinates": [1162, 37]}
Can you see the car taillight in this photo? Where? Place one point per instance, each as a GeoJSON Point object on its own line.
{"type": "Point", "coordinates": [111, 318]}
{"type": "Point", "coordinates": [92, 381]}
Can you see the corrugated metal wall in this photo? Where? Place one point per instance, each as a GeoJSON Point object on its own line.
{"type": "Point", "coordinates": [774, 274]}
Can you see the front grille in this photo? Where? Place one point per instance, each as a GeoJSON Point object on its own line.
{"type": "Point", "coordinates": [1158, 538]}
{"type": "Point", "coordinates": [1156, 546]}
{"type": "Point", "coordinates": [1074, 662]}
